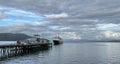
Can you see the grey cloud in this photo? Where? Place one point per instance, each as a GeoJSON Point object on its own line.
{"type": "Point", "coordinates": [86, 8]}
{"type": "Point", "coordinates": [2, 14]}
{"type": "Point", "coordinates": [84, 15]}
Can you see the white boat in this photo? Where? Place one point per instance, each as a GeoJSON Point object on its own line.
{"type": "Point", "coordinates": [57, 40]}
{"type": "Point", "coordinates": [31, 41]}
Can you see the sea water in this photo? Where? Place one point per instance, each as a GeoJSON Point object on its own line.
{"type": "Point", "coordinates": [72, 53]}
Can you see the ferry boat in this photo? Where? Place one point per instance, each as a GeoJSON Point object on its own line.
{"type": "Point", "coordinates": [57, 40]}
{"type": "Point", "coordinates": [34, 40]}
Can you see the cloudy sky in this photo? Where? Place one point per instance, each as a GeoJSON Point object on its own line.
{"type": "Point", "coordinates": [72, 19]}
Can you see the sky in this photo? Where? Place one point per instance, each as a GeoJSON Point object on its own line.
{"type": "Point", "coordinates": [71, 19]}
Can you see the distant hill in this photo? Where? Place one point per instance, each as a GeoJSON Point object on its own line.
{"type": "Point", "coordinates": [77, 40]}
{"type": "Point", "coordinates": [13, 36]}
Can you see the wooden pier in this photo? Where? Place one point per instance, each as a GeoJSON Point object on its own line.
{"type": "Point", "coordinates": [14, 50]}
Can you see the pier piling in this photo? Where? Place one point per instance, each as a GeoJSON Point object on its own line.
{"type": "Point", "coordinates": [14, 50]}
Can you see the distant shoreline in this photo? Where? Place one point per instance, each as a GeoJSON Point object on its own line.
{"type": "Point", "coordinates": [92, 40]}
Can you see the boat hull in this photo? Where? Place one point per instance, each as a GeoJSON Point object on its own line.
{"type": "Point", "coordinates": [56, 42]}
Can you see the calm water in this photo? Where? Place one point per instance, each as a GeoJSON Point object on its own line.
{"type": "Point", "coordinates": [72, 53]}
